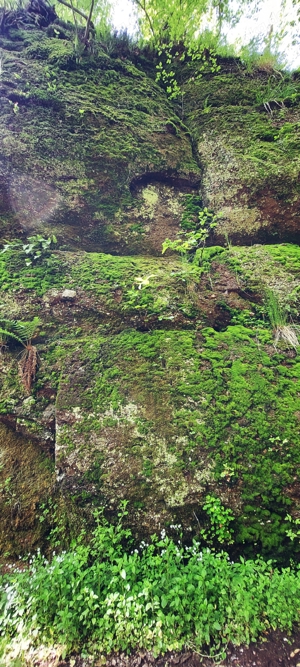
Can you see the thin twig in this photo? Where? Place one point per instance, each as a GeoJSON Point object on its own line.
{"type": "Point", "coordinates": [74, 9]}
{"type": "Point", "coordinates": [195, 515]}
{"type": "Point", "coordinates": [142, 6]}
{"type": "Point", "coordinates": [89, 22]}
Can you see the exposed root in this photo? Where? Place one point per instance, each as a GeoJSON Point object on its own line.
{"type": "Point", "coordinates": [28, 365]}
{"type": "Point", "coordinates": [36, 13]}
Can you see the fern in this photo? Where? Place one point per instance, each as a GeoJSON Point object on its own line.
{"type": "Point", "coordinates": [26, 330]}
{"type": "Point", "coordinates": [6, 334]}
{"type": "Point", "coordinates": [21, 331]}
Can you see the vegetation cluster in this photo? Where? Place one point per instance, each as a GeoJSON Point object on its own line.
{"type": "Point", "coordinates": [114, 595]}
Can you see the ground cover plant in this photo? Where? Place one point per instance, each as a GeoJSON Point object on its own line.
{"type": "Point", "coordinates": [113, 595]}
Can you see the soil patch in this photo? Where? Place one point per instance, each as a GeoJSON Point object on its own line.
{"type": "Point", "coordinates": [277, 650]}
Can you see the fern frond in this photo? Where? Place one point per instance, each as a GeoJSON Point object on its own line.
{"type": "Point", "coordinates": [23, 330]}
{"type": "Point", "coordinates": [31, 327]}
{"type": "Point", "coordinates": [9, 324]}
{"type": "Point", "coordinates": [7, 334]}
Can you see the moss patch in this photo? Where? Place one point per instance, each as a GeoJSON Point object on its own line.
{"type": "Point", "coordinates": [181, 414]}
{"type": "Point", "coordinates": [247, 129]}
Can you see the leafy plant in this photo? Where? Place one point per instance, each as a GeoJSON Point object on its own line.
{"type": "Point", "coordinates": [294, 531]}
{"type": "Point", "coordinates": [168, 72]}
{"type": "Point", "coordinates": [220, 519]}
{"type": "Point", "coordinates": [22, 332]}
{"type": "Point", "coordinates": [194, 240]}
{"type": "Point", "coordinates": [36, 248]}
{"type": "Point", "coordinates": [157, 596]}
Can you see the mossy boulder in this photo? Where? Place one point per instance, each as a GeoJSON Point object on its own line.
{"type": "Point", "coordinates": [91, 149]}
{"type": "Point", "coordinates": [159, 382]}
{"type": "Point", "coordinates": [247, 129]}
{"type": "Point", "coordinates": [26, 477]}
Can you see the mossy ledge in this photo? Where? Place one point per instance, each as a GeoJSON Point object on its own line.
{"type": "Point", "coordinates": [159, 383]}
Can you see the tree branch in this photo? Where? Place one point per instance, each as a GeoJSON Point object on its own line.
{"type": "Point", "coordinates": [89, 22]}
{"type": "Point", "coordinates": [142, 6]}
{"type": "Point", "coordinates": [78, 11]}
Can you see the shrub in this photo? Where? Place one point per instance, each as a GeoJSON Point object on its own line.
{"type": "Point", "coordinates": [109, 596]}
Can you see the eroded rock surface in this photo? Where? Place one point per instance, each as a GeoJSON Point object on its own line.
{"type": "Point", "coordinates": [159, 378]}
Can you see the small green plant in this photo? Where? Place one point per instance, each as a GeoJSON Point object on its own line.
{"type": "Point", "coordinates": [282, 330]}
{"type": "Point", "coordinates": [56, 521]}
{"type": "Point", "coordinates": [293, 532]}
{"type": "Point", "coordinates": [167, 71]}
{"type": "Point", "coordinates": [193, 241]}
{"type": "Point", "coordinates": [220, 518]}
{"type": "Point", "coordinates": [35, 249]}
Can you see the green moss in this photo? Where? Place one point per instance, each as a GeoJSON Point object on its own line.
{"type": "Point", "coordinates": [275, 267]}
{"type": "Point", "coordinates": [156, 285]}
{"type": "Point", "coordinates": [159, 416]}
{"type": "Point", "coordinates": [44, 274]}
{"type": "Point", "coordinates": [26, 478]}
{"type": "Point", "coordinates": [220, 410]}
{"type": "Point", "coordinates": [192, 207]}
{"type": "Point", "coordinates": [57, 52]}
{"type": "Point", "coordinates": [92, 133]}
{"type": "Point", "coordinates": [287, 254]}
{"type": "Point", "coordinates": [252, 402]}
{"type": "Point", "coordinates": [248, 147]}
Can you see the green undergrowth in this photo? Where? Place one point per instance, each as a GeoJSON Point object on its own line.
{"type": "Point", "coordinates": [114, 595]}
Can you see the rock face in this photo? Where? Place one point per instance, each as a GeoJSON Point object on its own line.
{"type": "Point", "coordinates": [247, 130]}
{"type": "Point", "coordinates": [159, 380]}
{"type": "Point", "coordinates": [92, 150]}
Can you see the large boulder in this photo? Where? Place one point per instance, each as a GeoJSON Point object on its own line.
{"type": "Point", "coordinates": [158, 382]}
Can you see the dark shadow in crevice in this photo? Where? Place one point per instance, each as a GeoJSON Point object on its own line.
{"type": "Point", "coordinates": [222, 318]}
{"type": "Point", "coordinates": [170, 178]}
{"type": "Point", "coordinates": [272, 236]}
